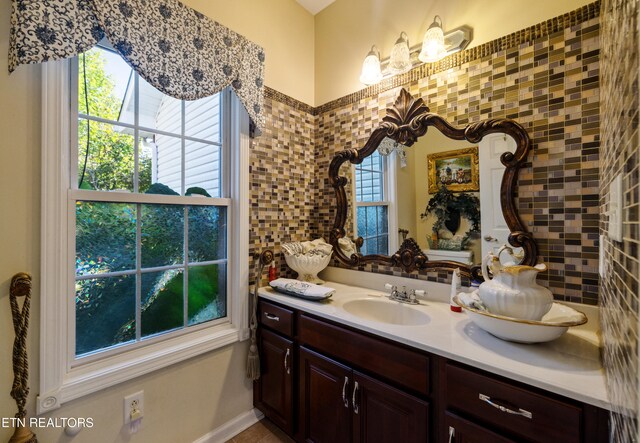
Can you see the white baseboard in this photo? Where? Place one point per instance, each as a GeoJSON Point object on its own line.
{"type": "Point", "coordinates": [232, 428]}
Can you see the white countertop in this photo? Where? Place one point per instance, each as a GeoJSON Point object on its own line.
{"type": "Point", "coordinates": [569, 366]}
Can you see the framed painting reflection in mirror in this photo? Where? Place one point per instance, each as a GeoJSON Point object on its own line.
{"type": "Point", "coordinates": [457, 170]}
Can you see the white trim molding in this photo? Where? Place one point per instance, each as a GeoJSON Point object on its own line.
{"type": "Point", "coordinates": [232, 428]}
{"type": "Point", "coordinates": [61, 379]}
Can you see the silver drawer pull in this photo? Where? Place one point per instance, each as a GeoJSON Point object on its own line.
{"type": "Point", "coordinates": [522, 412]}
{"type": "Point", "coordinates": [344, 392]}
{"type": "Point", "coordinates": [353, 400]}
{"type": "Point", "coordinates": [286, 358]}
{"type": "Point", "coordinates": [271, 316]}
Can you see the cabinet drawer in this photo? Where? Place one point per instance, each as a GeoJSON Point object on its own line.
{"type": "Point", "coordinates": [459, 430]}
{"type": "Point", "coordinates": [518, 411]}
{"type": "Point", "coordinates": [398, 365]}
{"type": "Point", "coordinates": [276, 317]}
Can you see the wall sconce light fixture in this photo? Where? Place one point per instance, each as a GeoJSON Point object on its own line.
{"type": "Point", "coordinates": [435, 46]}
{"type": "Point", "coordinates": [371, 72]}
{"type": "Point", "coordinates": [433, 43]}
{"type": "Point", "coordinates": [400, 59]}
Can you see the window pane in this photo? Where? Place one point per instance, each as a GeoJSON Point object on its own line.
{"type": "Point", "coordinates": [147, 163]}
{"type": "Point", "coordinates": [159, 111]}
{"type": "Point", "coordinates": [105, 237]}
{"type": "Point", "coordinates": [109, 86]}
{"type": "Point", "coordinates": [162, 301]}
{"type": "Point", "coordinates": [110, 161]}
{"type": "Point", "coordinates": [162, 164]}
{"type": "Point", "coordinates": [105, 312]}
{"type": "Point", "coordinates": [383, 225]}
{"type": "Point", "coordinates": [202, 167]}
{"type": "Point", "coordinates": [207, 233]}
{"type": "Point", "coordinates": [362, 221]}
{"type": "Point", "coordinates": [372, 219]}
{"type": "Point", "coordinates": [207, 293]}
{"type": "Point", "coordinates": [383, 244]}
{"type": "Point", "coordinates": [162, 235]}
{"type": "Point", "coordinates": [202, 118]}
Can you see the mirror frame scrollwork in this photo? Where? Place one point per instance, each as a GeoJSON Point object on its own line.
{"type": "Point", "coordinates": [406, 121]}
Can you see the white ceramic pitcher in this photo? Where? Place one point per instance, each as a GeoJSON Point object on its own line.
{"type": "Point", "coordinates": [513, 291]}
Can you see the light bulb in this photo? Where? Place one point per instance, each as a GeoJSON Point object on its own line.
{"type": "Point", "coordinates": [400, 60]}
{"type": "Point", "coordinates": [433, 43]}
{"type": "Point", "coordinates": [371, 73]}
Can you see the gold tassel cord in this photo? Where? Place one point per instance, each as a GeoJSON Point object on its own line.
{"type": "Point", "coordinates": [21, 287]}
{"type": "Point", "coordinates": [253, 359]}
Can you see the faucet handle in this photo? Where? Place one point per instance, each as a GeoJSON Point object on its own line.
{"type": "Point", "coordinates": [388, 286]}
{"type": "Point", "coordinates": [420, 292]}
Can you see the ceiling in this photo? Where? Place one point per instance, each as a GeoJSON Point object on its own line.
{"type": "Point", "coordinates": [315, 6]}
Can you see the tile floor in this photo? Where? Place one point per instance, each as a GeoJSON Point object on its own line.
{"type": "Point", "coordinates": [262, 432]}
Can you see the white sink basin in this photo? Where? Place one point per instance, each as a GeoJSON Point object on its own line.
{"type": "Point", "coordinates": [385, 311]}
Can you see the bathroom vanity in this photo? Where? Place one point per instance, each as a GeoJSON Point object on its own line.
{"type": "Point", "coordinates": [359, 367]}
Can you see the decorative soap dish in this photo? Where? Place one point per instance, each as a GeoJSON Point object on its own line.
{"type": "Point", "coordinates": [553, 324]}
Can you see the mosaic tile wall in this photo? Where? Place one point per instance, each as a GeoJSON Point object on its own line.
{"type": "Point", "coordinates": [549, 83]}
{"type": "Point", "coordinates": [620, 288]}
{"type": "Point", "coordinates": [282, 168]}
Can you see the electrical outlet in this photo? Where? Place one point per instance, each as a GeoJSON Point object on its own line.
{"type": "Point", "coordinates": [133, 407]}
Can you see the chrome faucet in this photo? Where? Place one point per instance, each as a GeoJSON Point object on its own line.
{"type": "Point", "coordinates": [404, 296]}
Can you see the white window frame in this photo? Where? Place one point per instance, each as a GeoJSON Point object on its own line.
{"type": "Point", "coordinates": [60, 381]}
{"type": "Point", "coordinates": [389, 188]}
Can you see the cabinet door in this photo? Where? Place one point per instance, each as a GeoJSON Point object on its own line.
{"type": "Point", "coordinates": [325, 406]}
{"type": "Point", "coordinates": [382, 413]}
{"type": "Point", "coordinates": [274, 389]}
{"type": "Point", "coordinates": [459, 430]}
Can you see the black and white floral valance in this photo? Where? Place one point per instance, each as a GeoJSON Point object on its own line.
{"type": "Point", "coordinates": [173, 47]}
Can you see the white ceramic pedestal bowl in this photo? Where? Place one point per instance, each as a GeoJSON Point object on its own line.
{"type": "Point", "coordinates": [308, 266]}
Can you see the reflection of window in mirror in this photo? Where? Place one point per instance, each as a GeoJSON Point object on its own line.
{"type": "Point", "coordinates": [374, 216]}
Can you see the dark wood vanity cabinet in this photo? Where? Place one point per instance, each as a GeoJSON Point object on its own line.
{"type": "Point", "coordinates": [339, 404]}
{"type": "Point", "coordinates": [324, 382]}
{"type": "Point", "coordinates": [480, 407]}
{"type": "Point", "coordinates": [459, 430]}
{"type": "Point", "coordinates": [273, 394]}
{"type": "Point", "coordinates": [325, 403]}
{"type": "Point", "coordinates": [383, 413]}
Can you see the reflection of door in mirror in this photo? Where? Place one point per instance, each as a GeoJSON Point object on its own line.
{"type": "Point", "coordinates": [495, 231]}
{"type": "Point", "coordinates": [374, 216]}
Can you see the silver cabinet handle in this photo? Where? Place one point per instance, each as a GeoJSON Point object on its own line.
{"type": "Point", "coordinates": [353, 398]}
{"type": "Point", "coordinates": [490, 238]}
{"type": "Point", "coordinates": [271, 316]}
{"type": "Point", "coordinates": [522, 412]}
{"type": "Point", "coordinates": [286, 365]}
{"type": "Point", "coordinates": [344, 392]}
{"type": "Point", "coordinates": [452, 433]}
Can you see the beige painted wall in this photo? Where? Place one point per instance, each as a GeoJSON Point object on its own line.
{"type": "Point", "coordinates": [285, 30]}
{"type": "Point", "coordinates": [345, 31]}
{"type": "Point", "coordinates": [184, 401]}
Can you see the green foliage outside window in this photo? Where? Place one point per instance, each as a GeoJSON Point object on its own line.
{"type": "Point", "coordinates": [111, 158]}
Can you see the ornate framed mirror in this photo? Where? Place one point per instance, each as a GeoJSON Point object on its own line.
{"type": "Point", "coordinates": [474, 184]}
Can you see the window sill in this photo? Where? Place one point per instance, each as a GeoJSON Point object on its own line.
{"type": "Point", "coordinates": [92, 377]}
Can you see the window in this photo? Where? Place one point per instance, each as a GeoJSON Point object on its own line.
{"type": "Point", "coordinates": [372, 205]}
{"type": "Point", "coordinates": [153, 192]}
{"type": "Point", "coordinates": [145, 264]}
